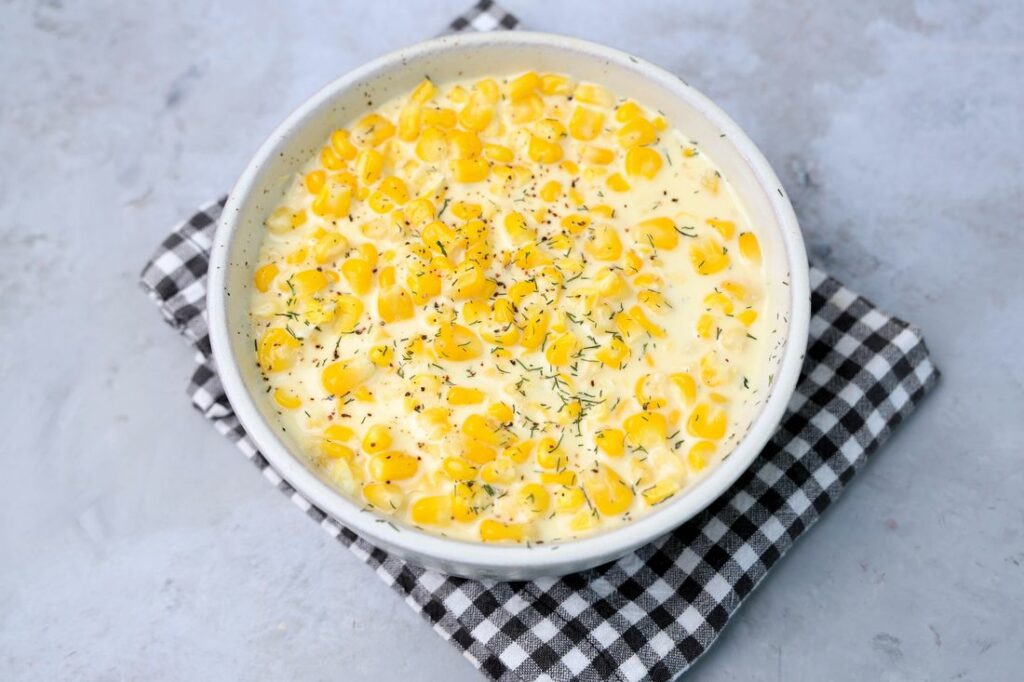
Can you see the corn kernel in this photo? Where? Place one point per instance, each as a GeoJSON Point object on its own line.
{"type": "Point", "coordinates": [348, 310]}
{"type": "Point", "coordinates": [523, 85]}
{"type": "Point", "coordinates": [700, 454]}
{"type": "Point", "coordinates": [747, 317]}
{"type": "Point", "coordinates": [372, 130]}
{"type": "Point", "coordinates": [561, 350]}
{"type": "Point", "coordinates": [551, 191]}
{"type": "Point", "coordinates": [432, 145]}
{"type": "Point", "coordinates": [342, 145]}
{"type": "Point", "coordinates": [495, 531]}
{"type": "Point", "coordinates": [460, 395]}
{"type": "Point", "coordinates": [660, 491]}
{"type": "Point", "coordinates": [534, 498]}
{"type": "Point", "coordinates": [749, 247]}
{"type": "Point", "coordinates": [708, 256]}
{"type": "Point", "coordinates": [646, 429]}
{"type": "Point", "coordinates": [686, 385]}
{"type": "Point", "coordinates": [459, 469]}
{"type": "Point", "coordinates": [458, 343]}
{"type": "Point", "coordinates": [604, 243]}
{"type": "Point", "coordinates": [392, 466]}
{"type": "Point", "coordinates": [593, 94]}
{"type": "Point", "coordinates": [658, 232]}
{"type": "Point", "coordinates": [607, 491]}
{"type": "Point", "coordinates": [394, 303]}
{"type": "Point", "coordinates": [343, 376]}
{"type": "Point", "coordinates": [314, 181]}
{"type": "Point", "coordinates": [555, 84]}
{"type": "Point", "coordinates": [433, 510]}
{"type": "Point", "coordinates": [627, 111]}
{"type": "Point", "coordinates": [527, 108]}
{"type": "Point", "coordinates": [617, 183]}
{"type": "Point", "coordinates": [614, 353]}
{"type": "Point", "coordinates": [264, 277]}
{"type": "Point", "coordinates": [369, 164]}
{"type": "Point", "coordinates": [568, 499]}
{"type": "Point", "coordinates": [585, 123]}
{"type": "Point", "coordinates": [377, 439]}
{"type": "Point", "coordinates": [643, 162]}
{"type": "Point", "coordinates": [500, 471]}
{"type": "Point", "coordinates": [543, 151]}
{"type": "Point", "coordinates": [726, 228]}
{"type": "Point", "coordinates": [707, 421]}
{"type": "Point", "coordinates": [286, 399]}
{"type": "Point", "coordinates": [276, 350]}
{"type": "Point", "coordinates": [387, 497]}
{"type": "Point", "coordinates": [358, 273]}
{"type": "Point", "coordinates": [612, 442]}
{"type": "Point", "coordinates": [638, 132]}
{"type": "Point", "coordinates": [470, 170]}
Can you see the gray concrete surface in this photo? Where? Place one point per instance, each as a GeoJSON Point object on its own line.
{"type": "Point", "coordinates": [136, 544]}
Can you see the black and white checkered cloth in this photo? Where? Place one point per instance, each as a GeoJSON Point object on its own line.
{"type": "Point", "coordinates": [651, 614]}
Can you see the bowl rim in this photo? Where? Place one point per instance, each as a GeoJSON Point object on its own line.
{"type": "Point", "coordinates": [474, 558]}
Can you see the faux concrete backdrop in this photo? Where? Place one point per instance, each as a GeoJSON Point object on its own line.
{"type": "Point", "coordinates": [135, 543]}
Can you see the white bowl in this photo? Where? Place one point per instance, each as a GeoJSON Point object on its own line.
{"type": "Point", "coordinates": [465, 56]}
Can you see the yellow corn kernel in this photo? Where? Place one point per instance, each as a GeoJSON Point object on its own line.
{"type": "Point", "coordinates": [604, 243]}
{"type": "Point", "coordinates": [348, 310]}
{"type": "Point", "coordinates": [617, 183]}
{"type": "Point", "coordinates": [394, 303]}
{"type": "Point", "coordinates": [359, 275]}
{"type": "Point", "coordinates": [475, 311]}
{"type": "Point", "coordinates": [645, 399]}
{"type": "Point", "coordinates": [363, 394]}
{"type": "Point", "coordinates": [706, 326]}
{"type": "Point", "coordinates": [660, 491]}
{"type": "Point", "coordinates": [423, 286]}
{"type": "Point", "coordinates": [264, 277]}
{"type": "Point", "coordinates": [392, 465]}
{"type": "Point", "coordinates": [500, 471]}
{"type": "Point", "coordinates": [308, 282]}
{"type": "Point", "coordinates": [575, 223]}
{"type": "Point", "coordinates": [369, 164]}
{"type": "Point", "coordinates": [607, 491]}
{"type": "Point", "coordinates": [423, 92]}
{"type": "Point", "coordinates": [568, 499]}
{"type": "Point", "coordinates": [314, 181]}
{"type": "Point", "coordinates": [600, 156]}
{"type": "Point", "coordinates": [419, 212]}
{"type": "Point", "coordinates": [749, 247]}
{"type": "Point", "coordinates": [562, 478]}
{"type": "Point", "coordinates": [502, 412]}
{"type": "Point", "coordinates": [286, 399]}
{"type": "Point", "coordinates": [747, 317]}
{"type": "Point", "coordinates": [555, 84]}
{"type": "Point", "coordinates": [481, 428]}
{"type": "Point", "coordinates": [637, 313]}
{"type": "Point", "coordinates": [458, 343]}
{"type": "Point", "coordinates": [466, 501]}
{"type": "Point", "coordinates": [518, 452]}
{"type": "Point", "coordinates": [523, 85]}
{"type": "Point", "coordinates": [593, 94]}
{"type": "Point", "coordinates": [560, 351]}
{"type": "Point", "coordinates": [381, 355]}
{"type": "Point", "coordinates": [433, 510]}
{"type": "Point", "coordinates": [646, 429]}
{"type": "Point", "coordinates": [708, 256]}
{"type": "Point", "coordinates": [627, 111]}
{"type": "Point", "coordinates": [658, 232]}
{"type": "Point", "coordinates": [534, 329]}
{"type": "Point", "coordinates": [409, 122]}
{"type": "Point", "coordinates": [470, 170]}
{"type": "Point", "coordinates": [549, 454]}
{"type": "Point", "coordinates": [477, 452]}
{"type": "Point", "coordinates": [440, 118]}
{"type": "Point", "coordinates": [296, 257]}
{"type": "Point", "coordinates": [716, 300]}
{"type": "Point", "coordinates": [339, 433]}
{"type": "Point", "coordinates": [614, 353]}
{"type": "Point", "coordinates": [395, 189]}
{"type": "Point", "coordinates": [527, 108]}
{"type": "Point", "coordinates": [387, 497]}
{"type": "Point", "coordinates": [542, 151]}
{"type": "Point", "coordinates": [726, 228]}
{"type": "Point", "coordinates": [460, 395]}
{"type": "Point", "coordinates": [377, 439]}
{"type": "Point", "coordinates": [638, 132]}
{"type": "Point", "coordinates": [476, 114]}
{"type": "Point", "coordinates": [700, 454]}
{"type": "Point", "coordinates": [372, 130]}
{"type": "Point", "coordinates": [534, 498]}
{"type": "Point", "coordinates": [333, 200]}
{"type": "Point", "coordinates": [459, 469]}
{"type": "Point", "coordinates": [332, 449]}
{"type": "Point", "coordinates": [496, 531]}
{"type": "Point", "coordinates": [342, 145]}
{"type": "Point", "coordinates": [551, 191]}
{"type": "Point", "coordinates": [612, 442]}
{"type": "Point", "coordinates": [330, 160]}
{"type": "Point", "coordinates": [432, 145]}
{"type": "Point", "coordinates": [531, 256]}
{"type": "Point", "coordinates": [643, 162]}
{"type": "Point", "coordinates": [341, 377]}
{"type": "Point", "coordinates": [585, 124]}
{"type": "Point", "coordinates": [686, 385]}
{"type": "Point", "coordinates": [468, 280]}
{"type": "Point", "coordinates": [329, 246]}
{"type": "Point", "coordinates": [707, 421]}
{"type": "Point", "coordinates": [517, 229]}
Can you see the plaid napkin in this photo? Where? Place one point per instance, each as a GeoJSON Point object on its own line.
{"type": "Point", "coordinates": [651, 614]}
